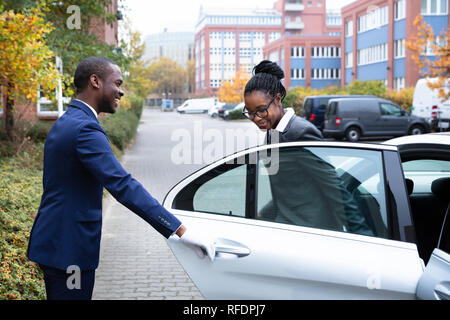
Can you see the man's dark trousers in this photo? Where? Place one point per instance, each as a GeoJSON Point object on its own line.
{"type": "Point", "coordinates": [58, 287]}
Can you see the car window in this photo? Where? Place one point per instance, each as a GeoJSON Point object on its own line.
{"type": "Point", "coordinates": [323, 102]}
{"type": "Point", "coordinates": [331, 110]}
{"type": "Point", "coordinates": [388, 109]}
{"type": "Point", "coordinates": [220, 191]}
{"type": "Point", "coordinates": [308, 105]}
{"type": "Point", "coordinates": [424, 171]}
{"type": "Point", "coordinates": [224, 194]}
{"type": "Point", "coordinates": [326, 188]}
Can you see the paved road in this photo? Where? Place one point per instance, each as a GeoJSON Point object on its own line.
{"type": "Point", "coordinates": [135, 261]}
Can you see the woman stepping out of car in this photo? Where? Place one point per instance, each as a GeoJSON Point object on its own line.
{"type": "Point", "coordinates": [291, 204]}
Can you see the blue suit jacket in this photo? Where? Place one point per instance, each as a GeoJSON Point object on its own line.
{"type": "Point", "coordinates": [78, 163]}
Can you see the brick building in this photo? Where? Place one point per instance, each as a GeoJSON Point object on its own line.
{"type": "Point", "coordinates": [314, 46]}
{"type": "Point", "coordinates": [309, 50]}
{"type": "Point", "coordinates": [374, 34]}
{"type": "Point", "coordinates": [227, 41]}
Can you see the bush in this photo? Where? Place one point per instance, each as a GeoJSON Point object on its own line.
{"type": "Point", "coordinates": [39, 131]}
{"type": "Point", "coordinates": [369, 87]}
{"type": "Point", "coordinates": [403, 98]}
{"type": "Point", "coordinates": [120, 127]}
{"type": "Point", "coordinates": [137, 104]}
{"type": "Point", "coordinates": [7, 149]}
{"type": "Point", "coordinates": [235, 115]}
{"type": "Point", "coordinates": [20, 192]}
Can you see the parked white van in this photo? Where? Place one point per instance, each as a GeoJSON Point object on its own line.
{"type": "Point", "coordinates": [197, 105]}
{"type": "Point", "coordinates": [428, 105]}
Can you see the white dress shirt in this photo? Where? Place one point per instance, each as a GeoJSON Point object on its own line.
{"type": "Point", "coordinates": [92, 109]}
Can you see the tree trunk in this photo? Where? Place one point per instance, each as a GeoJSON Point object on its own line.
{"type": "Point", "coordinates": [9, 115]}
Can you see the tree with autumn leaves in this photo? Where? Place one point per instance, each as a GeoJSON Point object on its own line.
{"type": "Point", "coordinates": [26, 62]}
{"type": "Point", "coordinates": [233, 91]}
{"type": "Point", "coordinates": [425, 41]}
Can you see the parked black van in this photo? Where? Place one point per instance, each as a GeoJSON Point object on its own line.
{"type": "Point", "coordinates": [314, 107]}
{"type": "Point", "coordinates": [355, 118]}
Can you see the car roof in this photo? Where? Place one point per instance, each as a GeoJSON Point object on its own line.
{"type": "Point", "coordinates": [343, 96]}
{"type": "Point", "coordinates": [362, 98]}
{"type": "Point", "coordinates": [442, 138]}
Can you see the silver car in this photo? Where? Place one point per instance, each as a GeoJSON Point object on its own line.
{"type": "Point", "coordinates": [311, 220]}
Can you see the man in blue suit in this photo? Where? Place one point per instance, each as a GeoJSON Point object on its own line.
{"type": "Point", "coordinates": [78, 164]}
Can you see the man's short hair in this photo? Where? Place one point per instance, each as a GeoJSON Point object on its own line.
{"type": "Point", "coordinates": [99, 66]}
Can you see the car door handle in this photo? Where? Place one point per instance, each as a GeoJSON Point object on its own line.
{"type": "Point", "coordinates": [231, 247]}
{"type": "Point", "coordinates": [442, 292]}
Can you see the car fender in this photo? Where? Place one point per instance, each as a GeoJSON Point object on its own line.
{"type": "Point", "coordinates": [423, 124]}
{"type": "Point", "coordinates": [354, 123]}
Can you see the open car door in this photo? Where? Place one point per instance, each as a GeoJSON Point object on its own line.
{"type": "Point", "coordinates": [306, 253]}
{"type": "Point", "coordinates": [435, 281]}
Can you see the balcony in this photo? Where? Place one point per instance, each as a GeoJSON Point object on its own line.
{"type": "Point", "coordinates": [294, 7]}
{"type": "Point", "coordinates": [294, 25]}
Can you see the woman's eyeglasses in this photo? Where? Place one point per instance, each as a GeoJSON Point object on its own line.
{"type": "Point", "coordinates": [261, 113]}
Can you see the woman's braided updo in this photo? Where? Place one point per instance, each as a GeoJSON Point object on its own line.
{"type": "Point", "coordinates": [266, 78]}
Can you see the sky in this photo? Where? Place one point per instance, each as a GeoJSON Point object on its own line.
{"type": "Point", "coordinates": [151, 16]}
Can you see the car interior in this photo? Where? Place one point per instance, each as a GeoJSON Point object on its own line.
{"type": "Point", "coordinates": [430, 208]}
{"type": "Point", "coordinates": [428, 212]}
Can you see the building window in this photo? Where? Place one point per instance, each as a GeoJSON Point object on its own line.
{"type": "Point", "coordinates": [325, 52]}
{"type": "Point", "coordinates": [399, 48]}
{"type": "Point", "coordinates": [325, 73]}
{"type": "Point", "coordinates": [349, 60]}
{"type": "Point", "coordinates": [274, 36]}
{"type": "Point", "coordinates": [297, 52]}
{"type": "Point", "coordinates": [373, 19]}
{"type": "Point", "coordinates": [399, 83]}
{"type": "Point", "coordinates": [297, 74]}
{"type": "Point", "coordinates": [400, 9]}
{"type": "Point", "coordinates": [374, 54]}
{"type": "Point", "coordinates": [438, 41]}
{"type": "Point", "coordinates": [433, 7]}
{"type": "Point", "coordinates": [349, 28]}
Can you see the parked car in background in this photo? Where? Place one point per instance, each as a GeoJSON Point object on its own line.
{"type": "Point", "coordinates": [224, 110]}
{"type": "Point", "coordinates": [238, 108]}
{"type": "Point", "coordinates": [278, 258]}
{"type": "Point", "coordinates": [362, 117]}
{"type": "Point", "coordinates": [197, 105]}
{"type": "Point", "coordinates": [428, 105]}
{"type": "Point", "coordinates": [214, 110]}
{"type": "Point", "coordinates": [314, 107]}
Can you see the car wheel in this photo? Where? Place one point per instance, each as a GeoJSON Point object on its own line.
{"type": "Point", "coordinates": [416, 130]}
{"type": "Point", "coordinates": [353, 134]}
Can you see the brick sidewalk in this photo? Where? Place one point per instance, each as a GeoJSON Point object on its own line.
{"type": "Point", "coordinates": [135, 261]}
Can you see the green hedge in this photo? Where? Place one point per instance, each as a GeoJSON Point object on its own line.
{"type": "Point", "coordinates": [235, 115]}
{"type": "Point", "coordinates": [39, 131]}
{"type": "Point", "coordinates": [295, 96]}
{"type": "Point", "coordinates": [20, 193]}
{"type": "Point", "coordinates": [121, 126]}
